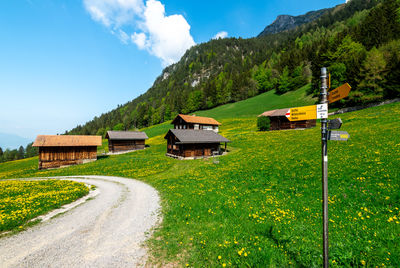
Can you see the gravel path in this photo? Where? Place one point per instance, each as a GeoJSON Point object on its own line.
{"type": "Point", "coordinates": [107, 231]}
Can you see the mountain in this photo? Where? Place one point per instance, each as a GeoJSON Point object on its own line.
{"type": "Point", "coordinates": [359, 43]}
{"type": "Point", "coordinates": [287, 22]}
{"type": "Point", "coordinates": [12, 141]}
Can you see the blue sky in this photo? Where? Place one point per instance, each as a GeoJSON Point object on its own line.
{"type": "Point", "coordinates": [62, 62]}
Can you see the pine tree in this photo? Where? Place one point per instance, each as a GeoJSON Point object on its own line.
{"type": "Point", "coordinates": [21, 152]}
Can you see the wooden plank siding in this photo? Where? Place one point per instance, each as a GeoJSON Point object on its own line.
{"type": "Point", "coordinates": [188, 143]}
{"type": "Point", "coordinates": [278, 123]}
{"type": "Point", "coordinates": [192, 150]}
{"type": "Point", "coordinates": [125, 145]}
{"type": "Point", "coordinates": [53, 157]}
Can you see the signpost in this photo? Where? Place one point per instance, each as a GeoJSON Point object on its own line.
{"type": "Point", "coordinates": [324, 150]}
{"type": "Point", "coordinates": [308, 112]}
{"type": "Point", "coordinates": [339, 93]}
{"type": "Point", "coordinates": [338, 136]}
{"type": "Point", "coordinates": [320, 111]}
{"type": "Point", "coordinates": [335, 123]}
{"type": "Point", "coordinates": [328, 134]}
{"type": "Point", "coordinates": [302, 113]}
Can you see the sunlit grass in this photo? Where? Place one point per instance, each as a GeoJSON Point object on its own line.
{"type": "Point", "coordinates": [261, 205]}
{"type": "Point", "coordinates": [21, 201]}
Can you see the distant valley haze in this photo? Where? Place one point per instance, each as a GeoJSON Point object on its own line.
{"type": "Point", "coordinates": [12, 141]}
{"type": "Point", "coordinates": [66, 62]}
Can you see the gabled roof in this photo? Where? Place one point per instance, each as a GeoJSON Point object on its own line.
{"type": "Point", "coordinates": [197, 119]}
{"type": "Point", "coordinates": [190, 136]}
{"type": "Point", "coordinates": [126, 135]}
{"type": "Point", "coordinates": [66, 140]}
{"type": "Point", "coordinates": [278, 112]}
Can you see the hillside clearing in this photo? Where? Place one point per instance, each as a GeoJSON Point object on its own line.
{"type": "Point", "coordinates": [261, 205]}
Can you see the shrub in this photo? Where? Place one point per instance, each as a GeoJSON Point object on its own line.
{"type": "Point", "coordinates": [263, 123]}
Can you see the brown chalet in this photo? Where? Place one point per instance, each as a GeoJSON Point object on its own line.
{"type": "Point", "coordinates": [121, 141]}
{"type": "Point", "coordinates": [279, 120]}
{"type": "Point", "coordinates": [193, 143]}
{"type": "Point", "coordinates": [183, 121]}
{"type": "Point", "coordinates": [64, 150]}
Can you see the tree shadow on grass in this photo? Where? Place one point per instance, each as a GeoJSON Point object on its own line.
{"type": "Point", "coordinates": [101, 157]}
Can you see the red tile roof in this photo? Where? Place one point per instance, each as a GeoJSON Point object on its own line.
{"type": "Point", "coordinates": [198, 119]}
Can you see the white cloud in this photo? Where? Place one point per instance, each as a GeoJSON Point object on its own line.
{"type": "Point", "coordinates": [114, 13]}
{"type": "Point", "coordinates": [122, 36]}
{"type": "Point", "coordinates": [140, 40]}
{"type": "Point", "coordinates": [166, 37]}
{"type": "Point", "coordinates": [221, 35]}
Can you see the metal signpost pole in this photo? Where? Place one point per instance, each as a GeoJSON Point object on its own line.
{"type": "Point", "coordinates": [324, 139]}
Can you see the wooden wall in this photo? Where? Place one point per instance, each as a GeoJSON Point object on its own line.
{"type": "Point", "coordinates": [192, 150]}
{"type": "Point", "coordinates": [125, 145]}
{"type": "Point", "coordinates": [53, 157]}
{"type": "Point", "coordinates": [278, 123]}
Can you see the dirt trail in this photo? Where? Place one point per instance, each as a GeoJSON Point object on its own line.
{"type": "Point", "coordinates": [107, 231]}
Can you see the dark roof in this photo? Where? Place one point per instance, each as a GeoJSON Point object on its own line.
{"type": "Point", "coordinates": [278, 112]}
{"type": "Point", "coordinates": [197, 120]}
{"type": "Point", "coordinates": [126, 135]}
{"type": "Point", "coordinates": [186, 136]}
{"type": "Point", "coordinates": [66, 140]}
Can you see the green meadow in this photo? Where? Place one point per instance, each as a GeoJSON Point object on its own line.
{"type": "Point", "coordinates": [261, 204]}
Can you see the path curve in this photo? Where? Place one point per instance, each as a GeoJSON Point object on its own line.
{"type": "Point", "coordinates": [107, 231]}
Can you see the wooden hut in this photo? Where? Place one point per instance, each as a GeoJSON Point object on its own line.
{"type": "Point", "coordinates": [122, 141]}
{"type": "Point", "coordinates": [64, 150]}
{"type": "Point", "coordinates": [183, 121]}
{"type": "Point", "coordinates": [279, 120]}
{"type": "Point", "coordinates": [193, 143]}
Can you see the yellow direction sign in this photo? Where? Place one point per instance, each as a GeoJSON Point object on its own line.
{"type": "Point", "coordinates": [302, 113]}
{"type": "Point", "coordinates": [339, 93]}
{"type": "Point", "coordinates": [308, 112]}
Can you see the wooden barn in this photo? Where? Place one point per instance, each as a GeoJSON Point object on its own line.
{"type": "Point", "coordinates": [64, 150]}
{"type": "Point", "coordinates": [279, 120]}
{"type": "Point", "coordinates": [122, 141]}
{"type": "Point", "coordinates": [183, 121]}
{"type": "Point", "coordinates": [193, 143]}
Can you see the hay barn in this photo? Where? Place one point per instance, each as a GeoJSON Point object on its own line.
{"type": "Point", "coordinates": [279, 120]}
{"type": "Point", "coordinates": [64, 150]}
{"type": "Point", "coordinates": [182, 121]}
{"type": "Point", "coordinates": [122, 141]}
{"type": "Point", "coordinates": [193, 143]}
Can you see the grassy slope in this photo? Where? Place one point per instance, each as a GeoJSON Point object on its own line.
{"type": "Point", "coordinates": [261, 204]}
{"type": "Point", "coordinates": [261, 103]}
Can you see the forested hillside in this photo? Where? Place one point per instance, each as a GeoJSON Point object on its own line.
{"type": "Point", "coordinates": [359, 42]}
